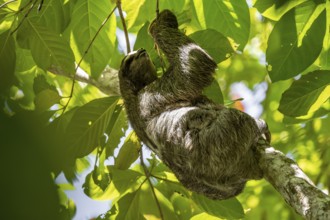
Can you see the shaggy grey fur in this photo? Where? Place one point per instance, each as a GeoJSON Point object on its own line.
{"type": "Point", "coordinates": [210, 148]}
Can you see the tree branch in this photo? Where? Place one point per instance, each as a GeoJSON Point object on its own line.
{"type": "Point", "coordinates": [293, 184]}
{"type": "Point", "coordinates": [128, 46]}
{"type": "Point", "coordinates": [107, 82]}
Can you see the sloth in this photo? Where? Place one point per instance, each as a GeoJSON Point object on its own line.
{"type": "Point", "coordinates": [209, 147]}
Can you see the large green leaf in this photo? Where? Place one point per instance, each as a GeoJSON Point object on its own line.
{"type": "Point", "coordinates": [128, 207]}
{"type": "Point", "coordinates": [275, 9]}
{"type": "Point", "coordinates": [7, 59]}
{"type": "Point", "coordinates": [87, 125]}
{"type": "Point", "coordinates": [229, 17]}
{"type": "Point", "coordinates": [49, 49]}
{"type": "Point", "coordinates": [53, 14]}
{"type": "Point", "coordinates": [214, 93]}
{"type": "Point", "coordinates": [87, 18]}
{"type": "Point", "coordinates": [228, 209]}
{"type": "Point", "coordinates": [116, 128]}
{"type": "Point", "coordinates": [217, 45]}
{"type": "Point", "coordinates": [122, 182]}
{"type": "Point", "coordinates": [149, 207]}
{"type": "Point", "coordinates": [132, 9]}
{"type": "Point", "coordinates": [129, 152]}
{"type": "Point", "coordinates": [296, 41]}
{"type": "Point", "coordinates": [306, 94]}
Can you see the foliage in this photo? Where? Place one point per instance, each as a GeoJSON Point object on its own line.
{"type": "Point", "coordinates": [281, 44]}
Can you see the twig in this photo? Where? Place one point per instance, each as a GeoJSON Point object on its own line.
{"type": "Point", "coordinates": [6, 3]}
{"type": "Point", "coordinates": [157, 8]}
{"type": "Point", "coordinates": [26, 14]}
{"type": "Point", "coordinates": [124, 25]}
{"type": "Point", "coordinates": [83, 56]}
{"type": "Point", "coordinates": [150, 183]}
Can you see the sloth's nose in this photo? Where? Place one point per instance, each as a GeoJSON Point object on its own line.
{"type": "Point", "coordinates": [141, 50]}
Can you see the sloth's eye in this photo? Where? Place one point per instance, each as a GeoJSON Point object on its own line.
{"type": "Point", "coordinates": [128, 59]}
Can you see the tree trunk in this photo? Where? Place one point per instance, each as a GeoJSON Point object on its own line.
{"type": "Point", "coordinates": [293, 184]}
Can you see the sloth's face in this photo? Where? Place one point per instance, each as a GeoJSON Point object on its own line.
{"type": "Point", "coordinates": [138, 68]}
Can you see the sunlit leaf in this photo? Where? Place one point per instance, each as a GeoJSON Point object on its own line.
{"type": "Point", "coordinates": [129, 152]}
{"type": "Point", "coordinates": [116, 129]}
{"type": "Point", "coordinates": [132, 9]}
{"type": "Point", "coordinates": [275, 9]}
{"type": "Point", "coordinates": [87, 18]}
{"type": "Point", "coordinates": [87, 125]}
{"type": "Point", "coordinates": [229, 17]}
{"type": "Point", "coordinates": [285, 57]}
{"type": "Point", "coordinates": [204, 216]}
{"type": "Point", "coordinates": [123, 181]}
{"type": "Point", "coordinates": [217, 45]}
{"type": "Point", "coordinates": [306, 94]}
{"type": "Point", "coordinates": [229, 209]}
{"type": "Point", "coordinates": [129, 207]}
{"type": "Point", "coordinates": [184, 208]}
{"type": "Point", "coordinates": [149, 206]}
{"type": "Point", "coordinates": [48, 48]}
{"type": "Point", "coordinates": [317, 114]}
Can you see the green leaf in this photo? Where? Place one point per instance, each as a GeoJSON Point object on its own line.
{"type": "Point", "coordinates": [217, 45]}
{"type": "Point", "coordinates": [229, 17]}
{"type": "Point", "coordinates": [184, 207]}
{"type": "Point", "coordinates": [46, 99]}
{"type": "Point", "coordinates": [287, 55]}
{"type": "Point", "coordinates": [148, 204]}
{"type": "Point", "coordinates": [228, 209]}
{"type": "Point", "coordinates": [49, 49]}
{"type": "Point", "coordinates": [317, 114]}
{"type": "Point", "coordinates": [116, 129]}
{"type": "Point", "coordinates": [129, 207]}
{"type": "Point", "coordinates": [175, 6]}
{"type": "Point", "coordinates": [132, 9]}
{"type": "Point", "coordinates": [7, 60]}
{"type": "Point", "coordinates": [204, 216]}
{"type": "Point", "coordinates": [40, 83]}
{"type": "Point", "coordinates": [96, 184]}
{"type": "Point", "coordinates": [87, 18]}
{"type": "Point", "coordinates": [87, 125]}
{"type": "Point", "coordinates": [122, 182]}
{"type": "Point", "coordinates": [306, 94]}
{"type": "Point", "coordinates": [129, 152]}
{"type": "Point", "coordinates": [144, 40]}
{"type": "Point", "coordinates": [214, 93]}
{"type": "Point", "coordinates": [274, 10]}
{"type": "Point", "coordinates": [53, 15]}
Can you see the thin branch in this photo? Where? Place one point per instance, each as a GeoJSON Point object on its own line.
{"type": "Point", "coordinates": [150, 183]}
{"type": "Point", "coordinates": [6, 3]}
{"type": "Point", "coordinates": [124, 25]}
{"type": "Point", "coordinates": [83, 56]}
{"type": "Point", "coordinates": [164, 179]}
{"type": "Point", "coordinates": [157, 8]}
{"type": "Point", "coordinates": [26, 14]}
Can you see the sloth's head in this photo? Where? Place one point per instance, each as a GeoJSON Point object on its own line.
{"type": "Point", "coordinates": [138, 69]}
